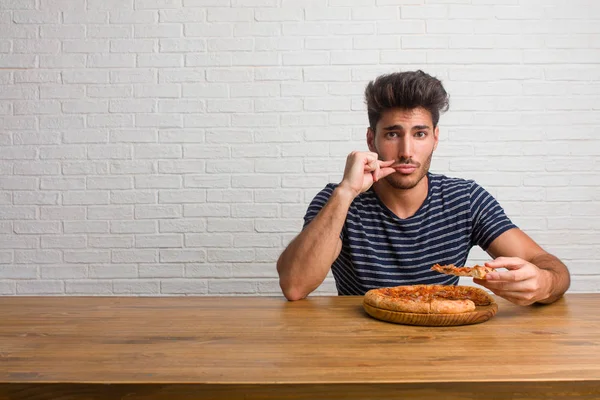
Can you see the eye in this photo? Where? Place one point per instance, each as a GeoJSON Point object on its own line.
{"type": "Point", "coordinates": [391, 134]}
{"type": "Point", "coordinates": [420, 134]}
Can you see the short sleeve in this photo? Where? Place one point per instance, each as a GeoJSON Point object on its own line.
{"type": "Point", "coordinates": [317, 203]}
{"type": "Point", "coordinates": [488, 218]}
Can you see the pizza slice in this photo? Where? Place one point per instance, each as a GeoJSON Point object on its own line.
{"type": "Point", "coordinates": [477, 271]}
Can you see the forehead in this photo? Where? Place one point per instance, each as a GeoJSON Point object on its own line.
{"type": "Point", "coordinates": [407, 118]}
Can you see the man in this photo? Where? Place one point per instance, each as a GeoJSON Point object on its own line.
{"type": "Point", "coordinates": [389, 219]}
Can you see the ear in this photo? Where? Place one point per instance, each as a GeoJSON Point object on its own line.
{"type": "Point", "coordinates": [436, 136]}
{"type": "Point", "coordinates": [371, 140]}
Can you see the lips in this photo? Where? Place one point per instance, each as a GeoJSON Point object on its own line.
{"type": "Point", "coordinates": [405, 169]}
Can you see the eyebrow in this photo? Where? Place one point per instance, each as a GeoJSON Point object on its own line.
{"type": "Point", "coordinates": [400, 128]}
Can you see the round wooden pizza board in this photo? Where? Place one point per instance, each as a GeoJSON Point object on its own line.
{"type": "Point", "coordinates": [481, 314]}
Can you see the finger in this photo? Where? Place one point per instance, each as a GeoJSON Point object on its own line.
{"type": "Point", "coordinates": [383, 172]}
{"type": "Point", "coordinates": [386, 163]}
{"type": "Point", "coordinates": [514, 275]}
{"type": "Point", "coordinates": [519, 298]}
{"type": "Point", "coordinates": [514, 298]}
{"type": "Point", "coordinates": [506, 262]}
{"type": "Point", "coordinates": [373, 166]}
{"type": "Point", "coordinates": [520, 286]}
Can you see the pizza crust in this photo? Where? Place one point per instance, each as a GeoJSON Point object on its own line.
{"type": "Point", "coordinates": [428, 299]}
{"type": "Point", "coordinates": [477, 271]}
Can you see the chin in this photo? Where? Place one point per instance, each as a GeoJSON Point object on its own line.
{"type": "Point", "coordinates": [404, 182]}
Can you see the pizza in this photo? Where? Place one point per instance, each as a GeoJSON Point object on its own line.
{"type": "Point", "coordinates": [428, 299]}
{"type": "Point", "coordinates": [477, 271]}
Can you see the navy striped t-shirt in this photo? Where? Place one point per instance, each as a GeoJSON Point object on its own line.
{"type": "Point", "coordinates": [379, 249]}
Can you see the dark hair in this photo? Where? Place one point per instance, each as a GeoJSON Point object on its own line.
{"type": "Point", "coordinates": [406, 90]}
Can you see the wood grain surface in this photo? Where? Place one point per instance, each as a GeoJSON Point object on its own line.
{"type": "Point", "coordinates": [258, 346]}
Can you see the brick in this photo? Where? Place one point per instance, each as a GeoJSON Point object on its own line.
{"type": "Point", "coordinates": [63, 242]}
{"type": "Point", "coordinates": [85, 226]}
{"type": "Point", "coordinates": [232, 286]}
{"type": "Point", "coordinates": [63, 272]}
{"type": "Point", "coordinates": [109, 31]}
{"type": "Point", "coordinates": [132, 46]}
{"type": "Point", "coordinates": [181, 196]}
{"type": "Point", "coordinates": [179, 75]}
{"type": "Point", "coordinates": [36, 168]}
{"type": "Point", "coordinates": [85, 17]}
{"type": "Point", "coordinates": [157, 182]}
{"type": "Point", "coordinates": [12, 241]}
{"type": "Point", "coordinates": [183, 286]}
{"type": "Point", "coordinates": [40, 198]}
{"type": "Point", "coordinates": [253, 211]}
{"type": "Point", "coordinates": [89, 287]}
{"type": "Point", "coordinates": [206, 210]}
{"type": "Point", "coordinates": [205, 181]}
{"type": "Point", "coordinates": [37, 256]}
{"type": "Point", "coordinates": [208, 270]}
{"type": "Point", "coordinates": [209, 121]}
{"type": "Point", "coordinates": [156, 4]}
{"type": "Point", "coordinates": [133, 167]}
{"type": "Point", "coordinates": [159, 241]}
{"type": "Point", "coordinates": [135, 256]}
{"type": "Point", "coordinates": [111, 212]}
{"type": "Point", "coordinates": [62, 213]}
{"type": "Point", "coordinates": [208, 30]}
{"type": "Point", "coordinates": [187, 14]}
{"type": "Point", "coordinates": [209, 90]}
{"type": "Point", "coordinates": [109, 151]}
{"type": "Point", "coordinates": [157, 211]}
{"type": "Point", "coordinates": [88, 197]}
{"type": "Point", "coordinates": [132, 227]}
{"type": "Point", "coordinates": [204, 240]}
{"type": "Point", "coordinates": [229, 15]}
{"type": "Point", "coordinates": [229, 225]}
{"type": "Point", "coordinates": [133, 197]}
{"type": "Point", "coordinates": [136, 286]}
{"type": "Point", "coordinates": [110, 242]}
{"type": "Point", "coordinates": [241, 166]}
{"type": "Point", "coordinates": [112, 271]}
{"type": "Point", "coordinates": [163, 30]}
{"type": "Point", "coordinates": [230, 255]}
{"type": "Point", "coordinates": [40, 287]}
{"type": "Point", "coordinates": [182, 225]}
{"type": "Point", "coordinates": [87, 46]}
{"type": "Point", "coordinates": [132, 106]}
{"type": "Point", "coordinates": [133, 17]}
{"type": "Point", "coordinates": [180, 166]}
{"type": "Point", "coordinates": [182, 256]}
{"type": "Point", "coordinates": [182, 45]}
{"type": "Point", "coordinates": [251, 58]}
{"type": "Point", "coordinates": [17, 5]}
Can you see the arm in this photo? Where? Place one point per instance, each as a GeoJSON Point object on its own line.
{"type": "Point", "coordinates": [304, 264]}
{"type": "Point", "coordinates": [533, 274]}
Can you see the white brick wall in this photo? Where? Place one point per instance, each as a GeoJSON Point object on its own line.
{"type": "Point", "coordinates": [170, 147]}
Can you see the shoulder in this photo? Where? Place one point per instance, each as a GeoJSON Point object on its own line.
{"type": "Point", "coordinates": [326, 192]}
{"type": "Point", "coordinates": [448, 186]}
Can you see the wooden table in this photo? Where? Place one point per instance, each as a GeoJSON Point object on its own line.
{"type": "Point", "coordinates": [265, 347]}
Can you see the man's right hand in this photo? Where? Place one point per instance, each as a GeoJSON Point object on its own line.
{"type": "Point", "coordinates": [363, 168]}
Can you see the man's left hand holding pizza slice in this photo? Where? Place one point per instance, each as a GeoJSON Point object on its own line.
{"type": "Point", "coordinates": [522, 283]}
{"type": "Point", "coordinates": [532, 275]}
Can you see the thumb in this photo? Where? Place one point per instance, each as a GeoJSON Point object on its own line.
{"type": "Point", "coordinates": [506, 262]}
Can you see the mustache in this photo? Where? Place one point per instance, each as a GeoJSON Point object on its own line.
{"type": "Point", "coordinates": [406, 161]}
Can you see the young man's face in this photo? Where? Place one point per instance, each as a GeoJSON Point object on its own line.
{"type": "Point", "coordinates": [407, 136]}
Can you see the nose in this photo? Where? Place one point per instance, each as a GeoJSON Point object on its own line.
{"type": "Point", "coordinates": [406, 147]}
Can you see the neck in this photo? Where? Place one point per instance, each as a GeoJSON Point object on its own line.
{"type": "Point", "coordinates": [402, 202]}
